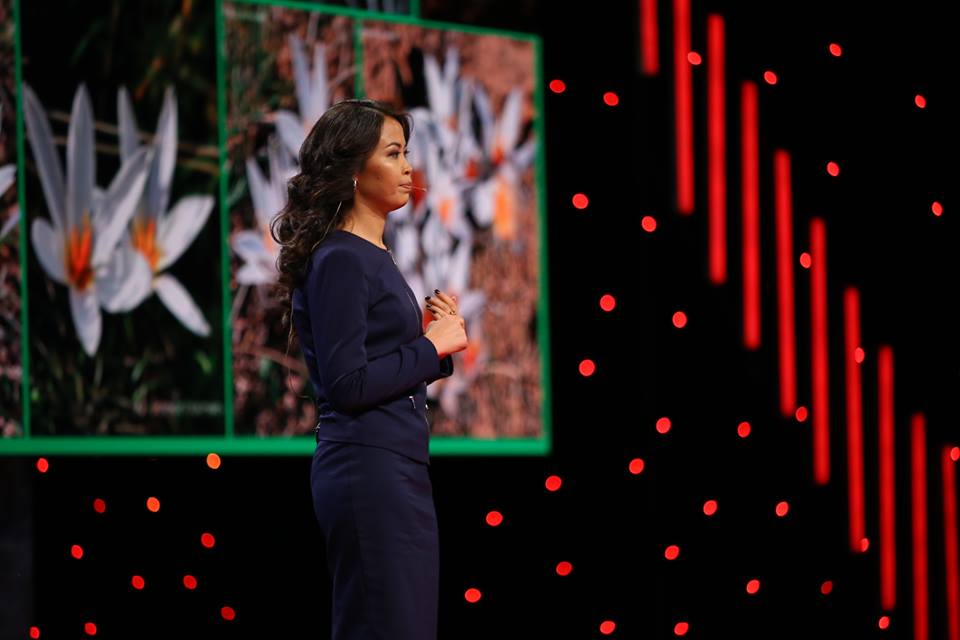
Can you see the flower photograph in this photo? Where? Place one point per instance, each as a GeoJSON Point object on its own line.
{"type": "Point", "coordinates": [123, 253]}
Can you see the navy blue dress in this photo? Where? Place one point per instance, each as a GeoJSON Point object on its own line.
{"type": "Point", "coordinates": [361, 332]}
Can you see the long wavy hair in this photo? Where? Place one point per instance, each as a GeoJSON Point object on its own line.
{"type": "Point", "coordinates": [318, 197]}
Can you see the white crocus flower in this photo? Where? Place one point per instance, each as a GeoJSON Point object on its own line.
{"type": "Point", "coordinates": [162, 236]}
{"type": "Point", "coordinates": [7, 175]}
{"type": "Point", "coordinates": [313, 95]}
{"type": "Point", "coordinates": [78, 247]}
{"type": "Point", "coordinates": [495, 199]}
{"type": "Point", "coordinates": [257, 247]}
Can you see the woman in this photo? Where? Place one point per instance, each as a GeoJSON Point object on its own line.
{"type": "Point", "coordinates": [361, 334]}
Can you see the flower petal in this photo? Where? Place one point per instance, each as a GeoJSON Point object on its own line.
{"type": "Point", "coordinates": [6, 177]}
{"type": "Point", "coordinates": [253, 273]}
{"type": "Point", "coordinates": [81, 161]}
{"type": "Point", "coordinates": [319, 88]}
{"type": "Point", "coordinates": [458, 277]}
{"type": "Point", "coordinates": [435, 89]}
{"type": "Point", "coordinates": [127, 124]}
{"type": "Point", "coordinates": [86, 318]}
{"type": "Point", "coordinates": [259, 191]}
{"type": "Point", "coordinates": [249, 245]}
{"type": "Point", "coordinates": [485, 112]}
{"type": "Point", "coordinates": [119, 203]}
{"type": "Point", "coordinates": [11, 222]}
{"type": "Point", "coordinates": [509, 125]}
{"type": "Point", "coordinates": [301, 77]}
{"type": "Point", "coordinates": [524, 154]}
{"type": "Point", "coordinates": [180, 304]}
{"type": "Point", "coordinates": [125, 281]}
{"type": "Point", "coordinates": [45, 155]}
{"type": "Point", "coordinates": [179, 229]}
{"type": "Point", "coordinates": [483, 204]}
{"type": "Point", "coordinates": [164, 158]}
{"type": "Point", "coordinates": [291, 131]}
{"type": "Point", "coordinates": [48, 244]}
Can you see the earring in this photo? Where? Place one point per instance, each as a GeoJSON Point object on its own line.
{"type": "Point", "coordinates": [354, 184]}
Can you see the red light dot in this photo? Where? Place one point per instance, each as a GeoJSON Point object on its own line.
{"type": "Point", "coordinates": [76, 551]}
{"type": "Point", "coordinates": [153, 504]}
{"type": "Point", "coordinates": [858, 355]}
{"type": "Point", "coordinates": [649, 223]}
{"type": "Point", "coordinates": [34, 632]}
{"type": "Point", "coordinates": [826, 587]}
{"type": "Point", "coordinates": [770, 77]}
{"type": "Point", "coordinates": [472, 595]}
{"type": "Point", "coordinates": [553, 483]}
{"type": "Point", "coordinates": [608, 302]}
{"type": "Point", "coordinates": [920, 101]}
{"type": "Point", "coordinates": [743, 429]}
{"type": "Point", "coordinates": [99, 505]}
{"type": "Point", "coordinates": [663, 424]}
{"type": "Point", "coordinates": [580, 201]}
{"type": "Point", "coordinates": [494, 518]}
{"type": "Point", "coordinates": [671, 552]}
{"type": "Point", "coordinates": [805, 260]}
{"type": "Point", "coordinates": [611, 99]}
{"type": "Point", "coordinates": [955, 454]}
{"type": "Point", "coordinates": [558, 86]}
{"type": "Point", "coordinates": [694, 58]}
{"type": "Point", "coordinates": [833, 168]}
{"type": "Point", "coordinates": [607, 627]}
{"type": "Point", "coordinates": [564, 568]}
{"type": "Point", "coordinates": [90, 629]}
{"type": "Point", "coordinates": [937, 208]}
{"type": "Point", "coordinates": [782, 508]}
{"type": "Point", "coordinates": [213, 461]}
{"type": "Point", "coordinates": [587, 367]}
{"type": "Point", "coordinates": [883, 622]}
{"type": "Point", "coordinates": [753, 586]}
{"type": "Point", "coordinates": [207, 540]}
{"type": "Point", "coordinates": [42, 465]}
{"type": "Point", "coordinates": [137, 582]}
{"type": "Point", "coordinates": [228, 613]}
{"type": "Point", "coordinates": [681, 628]}
{"type": "Point", "coordinates": [801, 414]}
{"type": "Point", "coordinates": [636, 466]}
{"type": "Point", "coordinates": [710, 507]}
{"type": "Point", "coordinates": [835, 49]}
{"type": "Point", "coordinates": [679, 319]}
{"type": "Point", "coordinates": [864, 544]}
{"type": "Point", "coordinates": [189, 582]}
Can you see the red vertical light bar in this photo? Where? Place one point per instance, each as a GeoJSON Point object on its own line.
{"type": "Point", "coordinates": [950, 544]}
{"type": "Point", "coordinates": [649, 38]}
{"type": "Point", "coordinates": [750, 188]}
{"type": "Point", "coordinates": [854, 388]}
{"type": "Point", "coordinates": [683, 96]}
{"type": "Point", "coordinates": [820, 402]}
{"type": "Point", "coordinates": [918, 448]}
{"type": "Point", "coordinates": [786, 323]}
{"type": "Point", "coordinates": [717, 154]}
{"type": "Point", "coordinates": [888, 554]}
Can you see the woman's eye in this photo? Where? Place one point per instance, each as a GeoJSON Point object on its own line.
{"type": "Point", "coordinates": [396, 153]}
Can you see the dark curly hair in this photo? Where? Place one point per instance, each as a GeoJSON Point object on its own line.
{"type": "Point", "coordinates": [318, 197]}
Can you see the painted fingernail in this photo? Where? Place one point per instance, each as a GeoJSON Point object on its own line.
{"type": "Point", "coordinates": [437, 291]}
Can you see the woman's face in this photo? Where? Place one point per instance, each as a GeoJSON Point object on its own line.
{"type": "Point", "coordinates": [386, 181]}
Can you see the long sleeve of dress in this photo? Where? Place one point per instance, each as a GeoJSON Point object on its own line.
{"type": "Point", "coordinates": [338, 295]}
